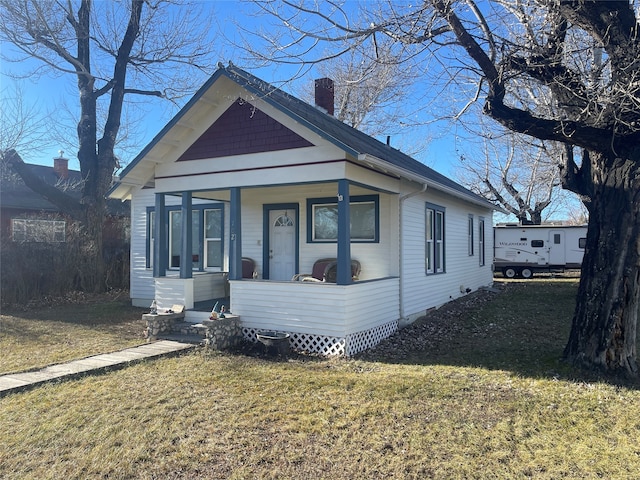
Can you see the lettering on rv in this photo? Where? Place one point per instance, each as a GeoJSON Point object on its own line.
{"type": "Point", "coordinates": [502, 243]}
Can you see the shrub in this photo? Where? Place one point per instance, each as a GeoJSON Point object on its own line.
{"type": "Point", "coordinates": [32, 270]}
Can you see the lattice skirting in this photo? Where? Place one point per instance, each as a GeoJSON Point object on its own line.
{"type": "Point", "coordinates": [333, 346]}
{"type": "Point", "coordinates": [357, 342]}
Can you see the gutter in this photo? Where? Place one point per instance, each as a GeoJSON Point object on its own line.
{"type": "Point", "coordinates": [401, 201]}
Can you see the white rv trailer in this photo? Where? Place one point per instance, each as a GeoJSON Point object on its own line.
{"type": "Point", "coordinates": [521, 250]}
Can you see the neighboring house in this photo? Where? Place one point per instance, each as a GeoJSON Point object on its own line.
{"type": "Point", "coordinates": [258, 173]}
{"type": "Point", "coordinates": [26, 216]}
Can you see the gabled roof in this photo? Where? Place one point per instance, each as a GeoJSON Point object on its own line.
{"type": "Point", "coordinates": [15, 194]}
{"type": "Point", "coordinates": [349, 139]}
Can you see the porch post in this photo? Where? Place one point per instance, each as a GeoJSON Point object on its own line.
{"type": "Point", "coordinates": [344, 234]}
{"type": "Point", "coordinates": [235, 245]}
{"type": "Point", "coordinates": [160, 255]}
{"type": "Point", "coordinates": [186, 254]}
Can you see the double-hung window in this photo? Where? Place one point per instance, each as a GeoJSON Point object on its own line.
{"type": "Point", "coordinates": [470, 235]}
{"type": "Point", "coordinates": [322, 219]}
{"type": "Point", "coordinates": [213, 247]}
{"type": "Point", "coordinates": [434, 239]}
{"type": "Point", "coordinates": [175, 238]}
{"type": "Point", "coordinates": [481, 253]}
{"type": "Point", "coordinates": [207, 245]}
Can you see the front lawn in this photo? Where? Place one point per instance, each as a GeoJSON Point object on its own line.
{"type": "Point", "coordinates": [472, 392]}
{"type": "Point", "coordinates": [67, 329]}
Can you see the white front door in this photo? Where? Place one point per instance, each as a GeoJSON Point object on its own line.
{"type": "Point", "coordinates": [282, 245]}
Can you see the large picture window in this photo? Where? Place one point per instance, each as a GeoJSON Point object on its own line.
{"type": "Point", "coordinates": [207, 247]}
{"type": "Point", "coordinates": [434, 239]}
{"type": "Point", "coordinates": [322, 219]}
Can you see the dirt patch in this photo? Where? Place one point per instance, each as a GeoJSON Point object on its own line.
{"type": "Point", "coordinates": [432, 330]}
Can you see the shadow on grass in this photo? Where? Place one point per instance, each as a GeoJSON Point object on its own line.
{"type": "Point", "coordinates": [104, 312]}
{"type": "Point", "coordinates": [521, 327]}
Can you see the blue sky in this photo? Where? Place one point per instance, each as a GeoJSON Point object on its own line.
{"type": "Point", "coordinates": [57, 93]}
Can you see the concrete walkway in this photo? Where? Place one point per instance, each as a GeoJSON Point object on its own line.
{"type": "Point", "coordinates": [95, 364]}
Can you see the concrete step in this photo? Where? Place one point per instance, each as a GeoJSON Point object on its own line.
{"type": "Point", "coordinates": [188, 328]}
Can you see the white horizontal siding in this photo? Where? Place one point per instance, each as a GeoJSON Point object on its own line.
{"type": "Point", "coordinates": [421, 291]}
{"type": "Point", "coordinates": [141, 287]}
{"type": "Point", "coordinates": [371, 304]}
{"type": "Point", "coordinates": [378, 260]}
{"type": "Point", "coordinates": [315, 308]}
{"type": "Point", "coordinates": [332, 309]}
{"type": "Point", "coordinates": [174, 291]}
{"type": "Point", "coordinates": [208, 285]}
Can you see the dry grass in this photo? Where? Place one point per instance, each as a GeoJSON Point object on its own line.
{"type": "Point", "coordinates": [459, 411]}
{"type": "Point", "coordinates": [47, 334]}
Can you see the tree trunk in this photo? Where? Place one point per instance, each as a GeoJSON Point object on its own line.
{"type": "Point", "coordinates": [603, 332]}
{"type": "Point", "coordinates": [92, 277]}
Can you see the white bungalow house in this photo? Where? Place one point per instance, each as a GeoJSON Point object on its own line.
{"type": "Point", "coordinates": [247, 170]}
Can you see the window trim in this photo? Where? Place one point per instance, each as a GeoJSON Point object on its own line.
{"type": "Point", "coordinates": [435, 245]}
{"type": "Point", "coordinates": [200, 209]}
{"type": "Point", "coordinates": [481, 241]}
{"type": "Point", "coordinates": [149, 242]}
{"type": "Point", "coordinates": [312, 202]}
{"type": "Point", "coordinates": [53, 229]}
{"type": "Point", "coordinates": [470, 236]}
{"type": "Point", "coordinates": [204, 257]}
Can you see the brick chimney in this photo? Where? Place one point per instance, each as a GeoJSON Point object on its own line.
{"type": "Point", "coordinates": [61, 166]}
{"type": "Point", "coordinates": [324, 94]}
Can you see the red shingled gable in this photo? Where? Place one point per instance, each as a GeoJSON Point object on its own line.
{"type": "Point", "coordinates": [240, 130]}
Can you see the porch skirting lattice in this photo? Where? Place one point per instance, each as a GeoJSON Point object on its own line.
{"type": "Point", "coordinates": [357, 342]}
{"type": "Point", "coordinates": [333, 346]}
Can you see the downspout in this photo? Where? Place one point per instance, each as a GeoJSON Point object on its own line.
{"type": "Point", "coordinates": [401, 256]}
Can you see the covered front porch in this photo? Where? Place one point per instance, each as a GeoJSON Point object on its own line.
{"type": "Point", "coordinates": [328, 318]}
{"type": "Point", "coordinates": [323, 318]}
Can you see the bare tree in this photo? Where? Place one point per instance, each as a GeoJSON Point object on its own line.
{"type": "Point", "coordinates": [516, 174]}
{"type": "Point", "coordinates": [371, 97]}
{"type": "Point", "coordinates": [582, 55]}
{"type": "Point", "coordinates": [112, 50]}
{"type": "Point", "coordinates": [23, 124]}
{"type": "Point", "coordinates": [367, 91]}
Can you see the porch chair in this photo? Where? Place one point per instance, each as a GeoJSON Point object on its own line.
{"type": "Point", "coordinates": [331, 274]}
{"type": "Point", "coordinates": [249, 268]}
{"type": "Point", "coordinates": [326, 270]}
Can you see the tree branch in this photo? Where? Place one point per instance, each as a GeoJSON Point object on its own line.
{"type": "Point", "coordinates": [60, 199]}
{"type": "Point", "coordinates": [573, 178]}
{"type": "Point", "coordinates": [152, 93]}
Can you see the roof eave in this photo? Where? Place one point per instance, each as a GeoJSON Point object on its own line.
{"type": "Point", "coordinates": [404, 173]}
{"type": "Point", "coordinates": [165, 130]}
